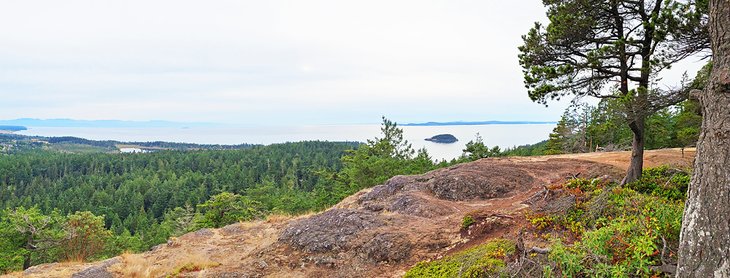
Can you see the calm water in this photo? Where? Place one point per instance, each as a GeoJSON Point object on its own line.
{"type": "Point", "coordinates": [493, 135]}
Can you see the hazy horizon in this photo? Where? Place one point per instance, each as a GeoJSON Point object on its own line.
{"type": "Point", "coordinates": [68, 122]}
{"type": "Point", "coordinates": [271, 63]}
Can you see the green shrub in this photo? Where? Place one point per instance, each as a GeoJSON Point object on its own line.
{"type": "Point", "coordinates": [540, 221]}
{"type": "Point", "coordinates": [467, 222]}
{"type": "Point", "coordinates": [480, 261]}
{"type": "Point", "coordinates": [663, 182]}
{"type": "Point", "coordinates": [620, 229]}
{"type": "Point", "coordinates": [624, 246]}
{"type": "Point", "coordinates": [585, 185]}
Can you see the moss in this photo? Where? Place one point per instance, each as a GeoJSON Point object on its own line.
{"type": "Point", "coordinates": [479, 261]}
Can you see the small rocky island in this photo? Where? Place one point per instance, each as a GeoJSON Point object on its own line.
{"type": "Point", "coordinates": [443, 138]}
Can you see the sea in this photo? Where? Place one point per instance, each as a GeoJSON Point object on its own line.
{"type": "Point", "coordinates": [502, 135]}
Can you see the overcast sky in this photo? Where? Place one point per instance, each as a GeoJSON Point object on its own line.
{"type": "Point", "coordinates": [267, 62]}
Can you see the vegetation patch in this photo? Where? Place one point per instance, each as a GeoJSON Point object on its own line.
{"type": "Point", "coordinates": [479, 261]}
{"type": "Point", "coordinates": [666, 182]}
{"type": "Point", "coordinates": [191, 267]}
{"type": "Point", "coordinates": [618, 231]}
{"type": "Point", "coordinates": [467, 222]}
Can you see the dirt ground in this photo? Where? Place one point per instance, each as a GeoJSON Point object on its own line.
{"type": "Point", "coordinates": [652, 158]}
{"type": "Point", "coordinates": [377, 232]}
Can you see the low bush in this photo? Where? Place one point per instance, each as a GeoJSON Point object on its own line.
{"type": "Point", "coordinates": [623, 231]}
{"type": "Point", "coordinates": [484, 260]}
{"type": "Point", "coordinates": [467, 222]}
{"type": "Point", "coordinates": [663, 182]}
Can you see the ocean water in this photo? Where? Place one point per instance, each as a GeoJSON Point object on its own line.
{"type": "Point", "coordinates": [493, 135]}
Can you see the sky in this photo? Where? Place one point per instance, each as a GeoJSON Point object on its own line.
{"type": "Point", "coordinates": [269, 62]}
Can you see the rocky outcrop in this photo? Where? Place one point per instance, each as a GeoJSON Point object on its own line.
{"type": "Point", "coordinates": [333, 230]}
{"type": "Point", "coordinates": [97, 271]}
{"type": "Point", "coordinates": [411, 218]}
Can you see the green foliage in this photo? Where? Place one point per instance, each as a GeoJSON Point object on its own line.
{"type": "Point", "coordinates": [380, 159]}
{"type": "Point", "coordinates": [526, 150]}
{"type": "Point", "coordinates": [664, 182]}
{"type": "Point", "coordinates": [484, 260]}
{"type": "Point", "coordinates": [584, 185]}
{"type": "Point", "coordinates": [85, 236]}
{"type": "Point", "coordinates": [476, 149]}
{"type": "Point", "coordinates": [621, 231]}
{"type": "Point", "coordinates": [586, 128]}
{"type": "Point", "coordinates": [30, 237]}
{"type": "Point", "coordinates": [227, 208]}
{"type": "Point", "coordinates": [467, 222]}
{"type": "Point", "coordinates": [540, 221]}
{"type": "Point", "coordinates": [178, 221]}
{"type": "Point", "coordinates": [622, 246]}
{"type": "Point", "coordinates": [570, 134]}
{"type": "Point", "coordinates": [582, 48]}
{"type": "Point", "coordinates": [145, 198]}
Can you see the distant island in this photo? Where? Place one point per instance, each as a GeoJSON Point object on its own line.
{"type": "Point", "coordinates": [478, 123]}
{"type": "Point", "coordinates": [12, 128]}
{"type": "Point", "coordinates": [443, 138]}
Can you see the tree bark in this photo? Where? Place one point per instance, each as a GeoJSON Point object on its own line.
{"type": "Point", "coordinates": [29, 247]}
{"type": "Point", "coordinates": [704, 249]}
{"type": "Point", "coordinates": [633, 173]}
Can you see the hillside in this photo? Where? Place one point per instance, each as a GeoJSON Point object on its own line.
{"type": "Point", "coordinates": [377, 232]}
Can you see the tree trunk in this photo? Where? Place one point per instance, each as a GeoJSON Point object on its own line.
{"type": "Point", "coordinates": [633, 173]}
{"type": "Point", "coordinates": [29, 248]}
{"type": "Point", "coordinates": [704, 249]}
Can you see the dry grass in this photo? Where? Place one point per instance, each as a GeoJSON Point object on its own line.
{"type": "Point", "coordinates": [138, 266]}
{"type": "Point", "coordinates": [135, 266]}
{"type": "Point", "coordinates": [279, 218]}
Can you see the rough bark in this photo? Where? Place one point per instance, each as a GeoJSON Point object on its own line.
{"type": "Point", "coordinates": [704, 249]}
{"type": "Point", "coordinates": [633, 173]}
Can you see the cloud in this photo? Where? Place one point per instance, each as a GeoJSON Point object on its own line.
{"type": "Point", "coordinates": [298, 62]}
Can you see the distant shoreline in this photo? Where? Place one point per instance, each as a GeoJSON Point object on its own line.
{"type": "Point", "coordinates": [477, 123]}
{"type": "Point", "coordinates": [10, 129]}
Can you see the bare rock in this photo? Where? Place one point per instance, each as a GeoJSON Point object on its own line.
{"type": "Point", "coordinates": [411, 204]}
{"type": "Point", "coordinates": [201, 234]}
{"type": "Point", "coordinates": [38, 268]}
{"type": "Point", "coordinates": [232, 229]}
{"type": "Point", "coordinates": [332, 230]}
{"type": "Point", "coordinates": [391, 187]}
{"type": "Point", "coordinates": [470, 183]}
{"type": "Point", "coordinates": [98, 271]}
{"type": "Point", "coordinates": [387, 248]}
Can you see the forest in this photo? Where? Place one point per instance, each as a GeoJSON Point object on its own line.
{"type": "Point", "coordinates": [131, 202]}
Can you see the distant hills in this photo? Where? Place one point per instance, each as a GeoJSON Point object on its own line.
{"type": "Point", "coordinates": [477, 123]}
{"type": "Point", "coordinates": [29, 122]}
{"type": "Point", "coordinates": [12, 127]}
